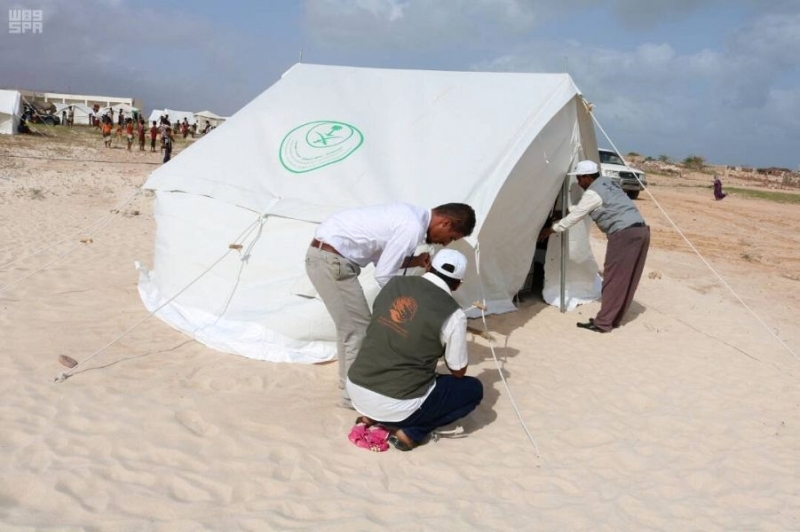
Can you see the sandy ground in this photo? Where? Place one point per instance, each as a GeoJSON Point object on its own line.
{"type": "Point", "coordinates": [686, 418]}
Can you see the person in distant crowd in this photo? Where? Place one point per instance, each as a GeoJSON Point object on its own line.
{"type": "Point", "coordinates": [193, 129]}
{"type": "Point", "coordinates": [70, 116]}
{"type": "Point", "coordinates": [168, 140]}
{"type": "Point", "coordinates": [185, 127]}
{"type": "Point", "coordinates": [385, 235]}
{"type": "Point", "coordinates": [162, 132]}
{"type": "Point", "coordinates": [416, 322]}
{"type": "Point", "coordinates": [628, 241]}
{"type": "Point", "coordinates": [718, 193]}
{"type": "Point", "coordinates": [129, 132]}
{"type": "Point", "coordinates": [63, 117]}
{"type": "Point", "coordinates": [140, 130]}
{"type": "Point", "coordinates": [153, 135]}
{"type": "Point", "coordinates": [206, 127]}
{"type": "Point", "coordinates": [106, 130]}
{"type": "Point", "coordinates": [22, 127]}
{"type": "Point", "coordinates": [120, 119]}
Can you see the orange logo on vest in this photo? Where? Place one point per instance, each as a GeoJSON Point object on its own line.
{"type": "Point", "coordinates": [403, 309]}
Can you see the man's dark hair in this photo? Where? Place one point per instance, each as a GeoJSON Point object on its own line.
{"type": "Point", "coordinates": [461, 214]}
{"type": "Point", "coordinates": [451, 283]}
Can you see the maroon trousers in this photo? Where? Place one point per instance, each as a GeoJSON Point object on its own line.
{"type": "Point", "coordinates": [625, 256]}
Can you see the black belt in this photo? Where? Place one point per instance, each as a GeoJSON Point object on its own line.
{"type": "Point", "coordinates": [637, 224]}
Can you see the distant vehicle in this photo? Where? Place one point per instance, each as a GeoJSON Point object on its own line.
{"type": "Point", "coordinates": [33, 115]}
{"type": "Point", "coordinates": [613, 167]}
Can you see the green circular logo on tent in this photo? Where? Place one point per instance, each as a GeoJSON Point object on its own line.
{"type": "Point", "coordinates": [318, 144]}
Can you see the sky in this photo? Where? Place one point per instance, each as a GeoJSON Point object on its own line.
{"type": "Point", "coordinates": [717, 79]}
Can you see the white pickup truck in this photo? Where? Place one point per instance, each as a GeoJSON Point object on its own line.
{"type": "Point", "coordinates": [613, 167]}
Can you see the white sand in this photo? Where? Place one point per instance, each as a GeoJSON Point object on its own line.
{"type": "Point", "coordinates": [686, 418]}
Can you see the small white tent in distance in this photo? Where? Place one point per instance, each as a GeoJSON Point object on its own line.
{"type": "Point", "coordinates": [237, 210]}
{"type": "Point", "coordinates": [213, 119]}
{"type": "Point", "coordinates": [81, 113]}
{"type": "Point", "coordinates": [10, 111]}
{"type": "Point", "coordinates": [174, 116]}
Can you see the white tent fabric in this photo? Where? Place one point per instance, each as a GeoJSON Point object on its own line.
{"type": "Point", "coordinates": [174, 116]}
{"type": "Point", "coordinates": [80, 115]}
{"type": "Point", "coordinates": [326, 138]}
{"type": "Point", "coordinates": [10, 111]}
{"type": "Point", "coordinates": [214, 119]}
{"type": "Point", "coordinates": [127, 111]}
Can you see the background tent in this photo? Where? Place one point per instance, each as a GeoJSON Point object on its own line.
{"type": "Point", "coordinates": [326, 138]}
{"type": "Point", "coordinates": [174, 116]}
{"type": "Point", "coordinates": [80, 115]}
{"type": "Point", "coordinates": [214, 119]}
{"type": "Point", "coordinates": [10, 111]}
{"type": "Point", "coordinates": [128, 111]}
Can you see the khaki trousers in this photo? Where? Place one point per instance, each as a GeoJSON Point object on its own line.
{"type": "Point", "coordinates": [336, 280]}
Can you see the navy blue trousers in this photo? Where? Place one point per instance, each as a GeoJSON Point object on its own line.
{"type": "Point", "coordinates": [451, 399]}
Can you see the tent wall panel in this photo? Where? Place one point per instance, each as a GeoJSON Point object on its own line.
{"type": "Point", "coordinates": [502, 142]}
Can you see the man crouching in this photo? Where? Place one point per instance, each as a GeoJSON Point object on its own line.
{"type": "Point", "coordinates": [393, 381]}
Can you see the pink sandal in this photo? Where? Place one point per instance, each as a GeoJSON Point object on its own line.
{"type": "Point", "coordinates": [372, 438]}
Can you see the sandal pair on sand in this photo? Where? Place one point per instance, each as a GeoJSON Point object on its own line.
{"type": "Point", "coordinates": [375, 437]}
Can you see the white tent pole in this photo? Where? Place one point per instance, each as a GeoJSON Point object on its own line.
{"type": "Point", "coordinates": [562, 306]}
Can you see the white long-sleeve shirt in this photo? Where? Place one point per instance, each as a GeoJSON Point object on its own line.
{"type": "Point", "coordinates": [384, 235]}
{"type": "Point", "coordinates": [590, 200]}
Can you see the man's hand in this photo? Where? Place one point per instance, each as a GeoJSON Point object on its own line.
{"type": "Point", "coordinates": [422, 260]}
{"type": "Point", "coordinates": [545, 233]}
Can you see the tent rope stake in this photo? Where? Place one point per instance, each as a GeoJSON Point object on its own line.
{"type": "Point", "coordinates": [73, 364]}
{"type": "Point", "coordinates": [696, 251]}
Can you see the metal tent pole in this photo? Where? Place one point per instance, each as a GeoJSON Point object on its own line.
{"type": "Point", "coordinates": [564, 245]}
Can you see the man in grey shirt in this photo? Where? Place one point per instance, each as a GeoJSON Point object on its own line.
{"type": "Point", "coordinates": [628, 241]}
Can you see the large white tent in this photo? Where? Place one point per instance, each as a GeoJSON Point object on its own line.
{"type": "Point", "coordinates": [10, 111]}
{"type": "Point", "coordinates": [237, 210]}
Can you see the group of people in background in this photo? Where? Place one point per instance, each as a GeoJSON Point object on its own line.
{"type": "Point", "coordinates": [135, 128]}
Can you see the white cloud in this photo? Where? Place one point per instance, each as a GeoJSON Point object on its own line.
{"type": "Point", "coordinates": [412, 24]}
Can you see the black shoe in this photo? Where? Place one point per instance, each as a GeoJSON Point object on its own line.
{"type": "Point", "coordinates": [590, 326]}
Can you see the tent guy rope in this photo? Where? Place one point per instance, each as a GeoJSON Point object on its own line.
{"type": "Point", "coordinates": [71, 363]}
{"type": "Point", "coordinates": [482, 307]}
{"type": "Point", "coordinates": [106, 220]}
{"type": "Point", "coordinates": [114, 212]}
{"type": "Point", "coordinates": [696, 251]}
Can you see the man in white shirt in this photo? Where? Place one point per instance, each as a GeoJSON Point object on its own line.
{"type": "Point", "coordinates": [385, 235]}
{"type": "Point", "coordinates": [393, 381]}
{"type": "Point", "coordinates": [628, 241]}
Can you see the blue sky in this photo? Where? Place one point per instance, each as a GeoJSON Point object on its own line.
{"type": "Point", "coordinates": [714, 78]}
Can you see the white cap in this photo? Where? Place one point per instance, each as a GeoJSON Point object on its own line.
{"type": "Point", "coordinates": [585, 167]}
{"type": "Point", "coordinates": [450, 263]}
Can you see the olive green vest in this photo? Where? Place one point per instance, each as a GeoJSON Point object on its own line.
{"type": "Point", "coordinates": [401, 349]}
